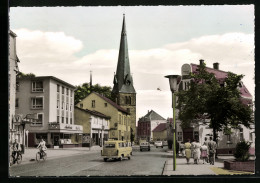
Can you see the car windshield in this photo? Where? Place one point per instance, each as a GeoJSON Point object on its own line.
{"type": "Point", "coordinates": [109, 145]}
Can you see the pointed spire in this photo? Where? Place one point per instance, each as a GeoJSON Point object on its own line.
{"type": "Point", "coordinates": [123, 81]}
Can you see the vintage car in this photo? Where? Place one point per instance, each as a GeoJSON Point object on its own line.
{"type": "Point", "coordinates": [144, 146]}
{"type": "Point", "coordinates": [116, 149]}
{"type": "Point", "coordinates": [158, 144]}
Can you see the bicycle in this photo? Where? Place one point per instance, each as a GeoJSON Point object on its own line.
{"type": "Point", "coordinates": [17, 159]}
{"type": "Point", "coordinates": [41, 155]}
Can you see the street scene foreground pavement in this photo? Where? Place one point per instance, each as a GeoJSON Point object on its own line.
{"type": "Point", "coordinates": [83, 161]}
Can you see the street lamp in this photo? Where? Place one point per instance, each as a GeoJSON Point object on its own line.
{"type": "Point", "coordinates": [173, 80]}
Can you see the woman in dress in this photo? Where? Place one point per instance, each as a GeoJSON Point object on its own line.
{"type": "Point", "coordinates": [196, 151]}
{"type": "Point", "coordinates": [187, 147]}
{"type": "Point", "coordinates": [204, 152]}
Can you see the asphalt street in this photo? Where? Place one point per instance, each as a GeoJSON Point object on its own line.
{"type": "Point", "coordinates": [141, 163]}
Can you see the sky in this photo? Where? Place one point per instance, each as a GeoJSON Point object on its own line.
{"type": "Point", "coordinates": [68, 42]}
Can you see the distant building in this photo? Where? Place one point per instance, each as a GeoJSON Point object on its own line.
{"type": "Point", "coordinates": [160, 132]}
{"type": "Point", "coordinates": [147, 124]}
{"type": "Point", "coordinates": [51, 100]}
{"type": "Point", "coordinates": [95, 126]}
{"type": "Point", "coordinates": [226, 142]}
{"type": "Point", "coordinates": [123, 92]}
{"type": "Point", "coordinates": [120, 122]}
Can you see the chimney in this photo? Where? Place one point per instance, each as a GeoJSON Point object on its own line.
{"type": "Point", "coordinates": [216, 66]}
{"type": "Point", "coordinates": [201, 61]}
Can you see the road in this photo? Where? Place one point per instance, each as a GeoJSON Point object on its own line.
{"type": "Point", "coordinates": [141, 163]}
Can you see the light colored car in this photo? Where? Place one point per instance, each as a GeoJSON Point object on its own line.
{"type": "Point", "coordinates": [165, 143]}
{"type": "Point", "coordinates": [158, 144]}
{"type": "Point", "coordinates": [144, 145]}
{"type": "Point", "coordinates": [116, 149]}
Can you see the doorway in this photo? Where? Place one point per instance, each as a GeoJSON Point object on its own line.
{"type": "Point", "coordinates": [187, 134]}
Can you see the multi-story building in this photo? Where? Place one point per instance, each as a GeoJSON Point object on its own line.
{"type": "Point", "coordinates": [95, 126]}
{"type": "Point", "coordinates": [226, 141]}
{"type": "Point", "coordinates": [15, 131]}
{"type": "Point", "coordinates": [120, 122]}
{"type": "Point", "coordinates": [123, 92]}
{"type": "Point", "coordinates": [51, 100]}
{"type": "Point", "coordinates": [147, 124]}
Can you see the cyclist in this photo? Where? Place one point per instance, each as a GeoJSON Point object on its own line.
{"type": "Point", "coordinates": [16, 149]}
{"type": "Point", "coordinates": [42, 146]}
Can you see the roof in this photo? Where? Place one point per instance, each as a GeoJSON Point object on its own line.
{"type": "Point", "coordinates": [160, 127]}
{"type": "Point", "coordinates": [95, 113]}
{"type": "Point", "coordinates": [112, 103]}
{"type": "Point", "coordinates": [48, 77]}
{"type": "Point", "coordinates": [123, 81]}
{"type": "Point", "coordinates": [220, 76]}
{"type": "Point", "coordinates": [151, 115]}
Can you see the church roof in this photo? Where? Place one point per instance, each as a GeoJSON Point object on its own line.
{"type": "Point", "coordinates": [150, 116]}
{"type": "Point", "coordinates": [123, 81]}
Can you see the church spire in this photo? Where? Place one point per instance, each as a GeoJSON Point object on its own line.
{"type": "Point", "coordinates": [123, 81]}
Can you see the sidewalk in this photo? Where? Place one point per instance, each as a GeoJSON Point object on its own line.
{"type": "Point", "coordinates": [30, 153]}
{"type": "Point", "coordinates": [182, 168]}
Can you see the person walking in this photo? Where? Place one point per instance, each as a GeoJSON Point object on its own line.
{"type": "Point", "coordinates": [182, 149]}
{"type": "Point", "coordinates": [204, 152]}
{"type": "Point", "coordinates": [196, 151]}
{"type": "Point", "coordinates": [187, 147]}
{"type": "Point", "coordinates": [192, 147]}
{"type": "Point", "coordinates": [206, 142]}
{"type": "Point", "coordinates": [212, 151]}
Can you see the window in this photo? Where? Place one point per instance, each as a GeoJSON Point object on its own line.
{"type": "Point", "coordinates": [70, 107]}
{"type": "Point", "coordinates": [241, 134]}
{"type": "Point", "coordinates": [67, 91]}
{"type": "Point", "coordinates": [37, 103]}
{"type": "Point", "coordinates": [58, 88]}
{"type": "Point", "coordinates": [70, 93]}
{"type": "Point", "coordinates": [62, 106]}
{"type": "Point", "coordinates": [196, 135]}
{"type": "Point", "coordinates": [179, 136]}
{"type": "Point", "coordinates": [119, 118]}
{"type": "Point", "coordinates": [62, 119]}
{"type": "Point", "coordinates": [93, 103]}
{"type": "Point", "coordinates": [126, 100]}
{"type": "Point", "coordinates": [17, 102]}
{"type": "Point", "coordinates": [67, 106]}
{"type": "Point", "coordinates": [228, 139]}
{"type": "Point", "coordinates": [129, 101]}
{"type": "Point", "coordinates": [71, 121]}
{"type": "Point", "coordinates": [58, 104]}
{"type": "Point", "coordinates": [67, 120]}
{"type": "Point", "coordinates": [81, 105]}
{"type": "Point", "coordinates": [105, 104]}
{"type": "Point", "coordinates": [58, 119]}
{"type": "Point", "coordinates": [17, 86]}
{"type": "Point", "coordinates": [39, 121]}
{"type": "Point", "coordinates": [62, 89]}
{"type": "Point", "coordinates": [37, 86]}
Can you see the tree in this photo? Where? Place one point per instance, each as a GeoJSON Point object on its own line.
{"type": "Point", "coordinates": [23, 75]}
{"type": "Point", "coordinates": [208, 98]}
{"type": "Point", "coordinates": [85, 89]}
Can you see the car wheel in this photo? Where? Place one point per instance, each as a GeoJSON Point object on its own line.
{"type": "Point", "coordinates": [156, 147]}
{"type": "Point", "coordinates": [162, 146]}
{"type": "Point", "coordinates": [129, 157]}
{"type": "Point", "coordinates": [141, 149]}
{"type": "Point", "coordinates": [105, 159]}
{"type": "Point", "coordinates": [148, 149]}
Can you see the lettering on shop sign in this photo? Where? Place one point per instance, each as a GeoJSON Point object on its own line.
{"type": "Point", "coordinates": [68, 127]}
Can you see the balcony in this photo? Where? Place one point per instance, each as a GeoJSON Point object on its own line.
{"type": "Point", "coordinates": [61, 127]}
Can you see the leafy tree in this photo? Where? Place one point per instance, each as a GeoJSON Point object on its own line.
{"type": "Point", "coordinates": [85, 89]}
{"type": "Point", "coordinates": [206, 98]}
{"type": "Point", "coordinates": [23, 75]}
{"type": "Point", "coordinates": [242, 151]}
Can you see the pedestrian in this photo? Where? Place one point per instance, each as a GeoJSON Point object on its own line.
{"type": "Point", "coordinates": [16, 147]}
{"type": "Point", "coordinates": [206, 142]}
{"type": "Point", "coordinates": [196, 151]}
{"type": "Point", "coordinates": [212, 151]}
{"type": "Point", "coordinates": [204, 152]}
{"type": "Point", "coordinates": [187, 147]}
{"type": "Point", "coordinates": [192, 147]}
{"type": "Point", "coordinates": [182, 149]}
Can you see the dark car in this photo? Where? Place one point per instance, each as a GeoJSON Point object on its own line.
{"type": "Point", "coordinates": [144, 146]}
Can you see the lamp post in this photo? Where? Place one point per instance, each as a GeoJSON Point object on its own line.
{"type": "Point", "coordinates": [173, 80]}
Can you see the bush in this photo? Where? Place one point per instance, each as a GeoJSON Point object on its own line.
{"type": "Point", "coordinates": [242, 151]}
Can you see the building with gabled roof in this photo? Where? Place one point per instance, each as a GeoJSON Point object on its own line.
{"type": "Point", "coordinates": [160, 132]}
{"type": "Point", "coordinates": [226, 142]}
{"type": "Point", "coordinates": [119, 125]}
{"type": "Point", "coordinates": [147, 124]}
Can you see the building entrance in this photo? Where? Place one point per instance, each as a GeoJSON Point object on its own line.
{"type": "Point", "coordinates": [187, 134]}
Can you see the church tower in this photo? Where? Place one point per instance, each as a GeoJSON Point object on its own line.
{"type": "Point", "coordinates": [123, 91]}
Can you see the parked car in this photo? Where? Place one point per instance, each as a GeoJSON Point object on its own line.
{"type": "Point", "coordinates": [144, 146]}
{"type": "Point", "coordinates": [165, 143]}
{"type": "Point", "coordinates": [158, 144]}
{"type": "Point", "coordinates": [116, 149]}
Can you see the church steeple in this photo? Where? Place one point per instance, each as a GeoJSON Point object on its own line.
{"type": "Point", "coordinates": [123, 81]}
